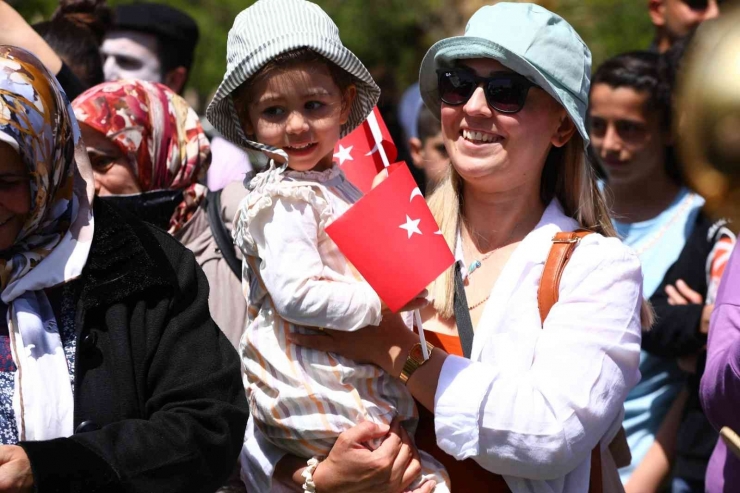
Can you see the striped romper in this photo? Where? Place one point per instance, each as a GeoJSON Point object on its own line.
{"type": "Point", "coordinates": [297, 280]}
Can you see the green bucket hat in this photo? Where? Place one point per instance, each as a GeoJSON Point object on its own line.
{"type": "Point", "coordinates": [528, 39]}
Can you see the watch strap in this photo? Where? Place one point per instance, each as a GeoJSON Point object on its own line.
{"type": "Point", "coordinates": [412, 364]}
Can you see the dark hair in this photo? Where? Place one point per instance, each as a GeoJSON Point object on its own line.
{"type": "Point", "coordinates": [285, 61]}
{"type": "Point", "coordinates": [671, 62]}
{"type": "Point", "coordinates": [75, 33]}
{"type": "Point", "coordinates": [644, 72]}
{"type": "Point", "coordinates": [176, 32]}
{"type": "Point", "coordinates": [427, 125]}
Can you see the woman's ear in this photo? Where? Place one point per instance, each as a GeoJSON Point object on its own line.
{"type": "Point", "coordinates": [347, 99]}
{"type": "Point", "coordinates": [564, 132]}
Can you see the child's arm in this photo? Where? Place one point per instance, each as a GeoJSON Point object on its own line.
{"type": "Point", "coordinates": [652, 472]}
{"type": "Point", "coordinates": [286, 236]}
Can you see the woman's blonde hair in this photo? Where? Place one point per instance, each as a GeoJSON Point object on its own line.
{"type": "Point", "coordinates": [567, 176]}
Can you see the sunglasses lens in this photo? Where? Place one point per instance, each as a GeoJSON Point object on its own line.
{"type": "Point", "coordinates": [506, 95]}
{"type": "Point", "coordinates": [697, 4]}
{"type": "Point", "coordinates": [455, 87]}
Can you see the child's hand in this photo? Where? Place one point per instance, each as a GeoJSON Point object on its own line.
{"type": "Point", "coordinates": [380, 178]}
{"type": "Point", "coordinates": [416, 304]}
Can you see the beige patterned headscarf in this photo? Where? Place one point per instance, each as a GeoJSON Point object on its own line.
{"type": "Point", "coordinates": [53, 245]}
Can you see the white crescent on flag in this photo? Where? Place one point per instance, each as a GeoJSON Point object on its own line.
{"type": "Point", "coordinates": [416, 193]}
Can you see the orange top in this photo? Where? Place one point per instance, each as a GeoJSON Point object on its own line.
{"type": "Point", "coordinates": [466, 476]}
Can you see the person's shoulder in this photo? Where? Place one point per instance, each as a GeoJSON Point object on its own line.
{"type": "Point", "coordinates": [598, 251]}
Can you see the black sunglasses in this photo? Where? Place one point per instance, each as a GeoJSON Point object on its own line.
{"type": "Point", "coordinates": [700, 4]}
{"type": "Point", "coordinates": [505, 91]}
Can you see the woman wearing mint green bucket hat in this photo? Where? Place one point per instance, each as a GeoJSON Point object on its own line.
{"type": "Point", "coordinates": [539, 398]}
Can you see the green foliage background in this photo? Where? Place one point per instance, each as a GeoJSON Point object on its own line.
{"type": "Point", "coordinates": [391, 36]}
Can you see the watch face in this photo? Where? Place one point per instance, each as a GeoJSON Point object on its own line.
{"type": "Point", "coordinates": [416, 353]}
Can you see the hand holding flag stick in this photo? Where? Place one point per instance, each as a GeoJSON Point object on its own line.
{"type": "Point", "coordinates": [389, 232]}
{"type": "Point", "coordinates": [377, 136]}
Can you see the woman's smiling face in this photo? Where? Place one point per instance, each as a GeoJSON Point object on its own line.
{"type": "Point", "coordinates": [510, 149]}
{"type": "Point", "coordinates": [15, 195]}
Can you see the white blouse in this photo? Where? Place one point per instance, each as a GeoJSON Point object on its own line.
{"type": "Point", "coordinates": [534, 401]}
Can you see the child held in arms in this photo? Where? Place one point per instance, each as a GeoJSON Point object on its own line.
{"type": "Point", "coordinates": [292, 91]}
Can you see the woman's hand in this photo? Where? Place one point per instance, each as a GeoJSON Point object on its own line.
{"type": "Point", "coordinates": [351, 467]}
{"type": "Point", "coordinates": [417, 303]}
{"type": "Point", "coordinates": [385, 345]}
{"type": "Point", "coordinates": [15, 470]}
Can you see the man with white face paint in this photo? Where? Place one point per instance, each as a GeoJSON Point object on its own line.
{"type": "Point", "coordinates": [151, 42]}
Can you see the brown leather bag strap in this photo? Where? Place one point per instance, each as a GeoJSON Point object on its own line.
{"type": "Point", "coordinates": [563, 246]}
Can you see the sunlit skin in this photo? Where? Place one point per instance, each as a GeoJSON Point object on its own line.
{"type": "Point", "coordinates": [515, 161]}
{"type": "Point", "coordinates": [675, 19]}
{"type": "Point", "coordinates": [299, 110]}
{"type": "Point", "coordinates": [628, 140]}
{"type": "Point", "coordinates": [111, 168]}
{"type": "Point", "coordinates": [431, 156]}
{"type": "Point", "coordinates": [15, 195]}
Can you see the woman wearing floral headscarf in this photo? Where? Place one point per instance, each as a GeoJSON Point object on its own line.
{"type": "Point", "coordinates": [95, 309]}
{"type": "Point", "coordinates": [149, 153]}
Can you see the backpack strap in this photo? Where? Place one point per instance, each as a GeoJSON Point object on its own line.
{"type": "Point", "coordinates": [563, 246]}
{"type": "Point", "coordinates": [462, 314]}
{"type": "Point", "coordinates": [221, 233]}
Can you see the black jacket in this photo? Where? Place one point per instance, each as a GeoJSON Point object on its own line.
{"type": "Point", "coordinates": [675, 334]}
{"type": "Point", "coordinates": [159, 402]}
{"type": "Point", "coordinates": [676, 331]}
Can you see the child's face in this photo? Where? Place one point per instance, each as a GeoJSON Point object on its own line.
{"type": "Point", "coordinates": [299, 110]}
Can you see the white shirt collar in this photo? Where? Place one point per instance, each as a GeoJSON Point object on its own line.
{"type": "Point", "coordinates": [536, 244]}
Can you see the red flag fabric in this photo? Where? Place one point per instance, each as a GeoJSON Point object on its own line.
{"type": "Point", "coordinates": [392, 239]}
{"type": "Point", "coordinates": [358, 156]}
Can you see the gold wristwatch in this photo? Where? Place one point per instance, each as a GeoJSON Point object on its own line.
{"type": "Point", "coordinates": [414, 361]}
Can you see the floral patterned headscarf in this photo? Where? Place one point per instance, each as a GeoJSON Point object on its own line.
{"type": "Point", "coordinates": [159, 133]}
{"type": "Point", "coordinates": [36, 120]}
{"type": "Point", "coordinates": [53, 245]}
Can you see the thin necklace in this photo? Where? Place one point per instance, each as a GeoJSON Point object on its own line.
{"type": "Point", "coordinates": [686, 203]}
{"type": "Point", "coordinates": [476, 305]}
{"type": "Point", "coordinates": [476, 264]}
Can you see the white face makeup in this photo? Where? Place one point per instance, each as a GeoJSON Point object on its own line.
{"type": "Point", "coordinates": [131, 55]}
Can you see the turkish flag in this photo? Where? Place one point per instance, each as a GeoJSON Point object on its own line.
{"type": "Point", "coordinates": [358, 156]}
{"type": "Point", "coordinates": [392, 239]}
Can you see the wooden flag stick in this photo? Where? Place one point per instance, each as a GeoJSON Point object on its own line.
{"type": "Point", "coordinates": [378, 138]}
{"type": "Point", "coordinates": [424, 350]}
{"type": "Point", "coordinates": [731, 439]}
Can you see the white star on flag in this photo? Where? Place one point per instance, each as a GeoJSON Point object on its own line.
{"type": "Point", "coordinates": [411, 226]}
{"type": "Point", "coordinates": [344, 154]}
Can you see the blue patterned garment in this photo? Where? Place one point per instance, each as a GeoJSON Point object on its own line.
{"type": "Point", "coordinates": [66, 318]}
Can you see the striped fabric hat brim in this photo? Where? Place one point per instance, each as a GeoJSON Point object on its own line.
{"type": "Point", "coordinates": [273, 27]}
